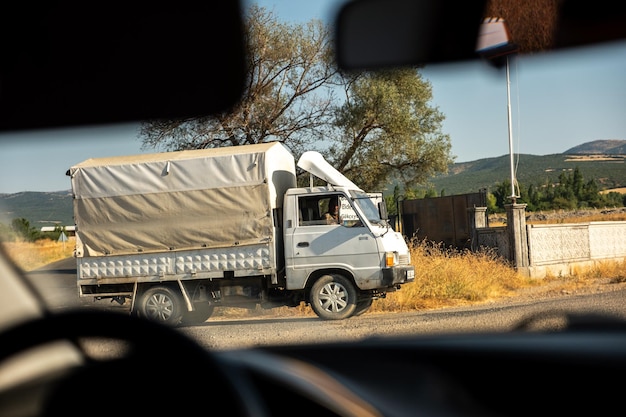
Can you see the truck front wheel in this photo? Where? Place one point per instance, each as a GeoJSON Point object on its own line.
{"type": "Point", "coordinates": [362, 306]}
{"type": "Point", "coordinates": [161, 304]}
{"type": "Point", "coordinates": [333, 297]}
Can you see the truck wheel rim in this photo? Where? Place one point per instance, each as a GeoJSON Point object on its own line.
{"type": "Point", "coordinates": [160, 307]}
{"type": "Point", "coordinates": [333, 297]}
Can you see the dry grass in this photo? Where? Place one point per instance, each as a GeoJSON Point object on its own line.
{"type": "Point", "coordinates": [582, 218]}
{"type": "Point", "coordinates": [562, 216]}
{"type": "Point", "coordinates": [448, 277]}
{"type": "Point", "coordinates": [613, 272]}
{"type": "Point", "coordinates": [32, 255]}
{"type": "Point", "coordinates": [444, 278]}
{"type": "Point", "coordinates": [621, 190]}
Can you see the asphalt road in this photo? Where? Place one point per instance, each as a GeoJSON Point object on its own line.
{"type": "Point", "coordinates": [56, 283]}
{"type": "Point", "coordinates": [58, 287]}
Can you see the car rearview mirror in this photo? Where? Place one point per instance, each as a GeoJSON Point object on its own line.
{"type": "Point", "coordinates": [375, 34]}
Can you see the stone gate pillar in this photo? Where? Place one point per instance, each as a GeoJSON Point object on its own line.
{"type": "Point", "coordinates": [477, 219]}
{"type": "Point", "coordinates": [518, 239]}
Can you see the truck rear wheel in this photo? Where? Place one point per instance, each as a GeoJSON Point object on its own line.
{"type": "Point", "coordinates": [333, 297]}
{"type": "Point", "coordinates": [161, 304]}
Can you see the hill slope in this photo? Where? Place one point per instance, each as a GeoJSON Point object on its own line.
{"type": "Point", "coordinates": [39, 208]}
{"type": "Point", "coordinates": [599, 147]}
{"type": "Point", "coordinates": [470, 177]}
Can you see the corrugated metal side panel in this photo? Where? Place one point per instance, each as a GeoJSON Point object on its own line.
{"type": "Point", "coordinates": [207, 263]}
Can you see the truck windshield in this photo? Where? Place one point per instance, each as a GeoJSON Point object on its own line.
{"type": "Point", "coordinates": [367, 206]}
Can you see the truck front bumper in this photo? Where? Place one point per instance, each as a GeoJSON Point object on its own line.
{"type": "Point", "coordinates": [398, 275]}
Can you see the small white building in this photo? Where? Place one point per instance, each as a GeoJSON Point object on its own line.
{"type": "Point", "coordinates": [69, 230]}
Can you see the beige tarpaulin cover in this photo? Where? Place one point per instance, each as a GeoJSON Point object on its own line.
{"type": "Point", "coordinates": [179, 200]}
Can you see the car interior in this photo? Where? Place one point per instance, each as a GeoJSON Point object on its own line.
{"type": "Point", "coordinates": [66, 63]}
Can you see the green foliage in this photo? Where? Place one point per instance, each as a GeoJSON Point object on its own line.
{"type": "Point", "coordinates": [386, 131]}
{"type": "Point", "coordinates": [287, 96]}
{"type": "Point", "coordinates": [502, 194]}
{"type": "Point", "coordinates": [492, 207]}
{"type": "Point", "coordinates": [417, 193]}
{"type": "Point", "coordinates": [569, 193]}
{"type": "Point", "coordinates": [22, 228]}
{"type": "Point", "coordinates": [391, 201]}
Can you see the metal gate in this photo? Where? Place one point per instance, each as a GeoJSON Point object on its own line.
{"type": "Point", "coordinates": [441, 219]}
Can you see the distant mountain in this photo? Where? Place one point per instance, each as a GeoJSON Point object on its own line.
{"type": "Point", "coordinates": [39, 208]}
{"type": "Point", "coordinates": [602, 160]}
{"type": "Point", "coordinates": [599, 147]}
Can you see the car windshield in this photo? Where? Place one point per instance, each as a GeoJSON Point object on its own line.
{"type": "Point", "coordinates": [502, 179]}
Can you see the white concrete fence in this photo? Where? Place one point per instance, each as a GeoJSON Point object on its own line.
{"type": "Point", "coordinates": [550, 249]}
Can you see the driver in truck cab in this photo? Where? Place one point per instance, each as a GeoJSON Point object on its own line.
{"type": "Point", "coordinates": [332, 215]}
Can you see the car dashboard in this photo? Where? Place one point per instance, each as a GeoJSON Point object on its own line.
{"type": "Point", "coordinates": [161, 370]}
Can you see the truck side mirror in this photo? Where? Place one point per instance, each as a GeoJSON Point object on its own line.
{"type": "Point", "coordinates": [382, 210]}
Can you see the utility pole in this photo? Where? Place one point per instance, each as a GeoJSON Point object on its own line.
{"type": "Point", "coordinates": [495, 45]}
{"type": "Point", "coordinates": [513, 197]}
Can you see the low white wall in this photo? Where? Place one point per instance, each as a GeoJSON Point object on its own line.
{"type": "Point", "coordinates": [565, 249]}
{"type": "Point", "coordinates": [557, 243]}
{"type": "Point", "coordinates": [562, 249]}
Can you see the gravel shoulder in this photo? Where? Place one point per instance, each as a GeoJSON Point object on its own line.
{"type": "Point", "coordinates": [565, 287]}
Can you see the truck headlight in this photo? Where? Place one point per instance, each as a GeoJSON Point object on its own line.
{"type": "Point", "coordinates": [391, 259]}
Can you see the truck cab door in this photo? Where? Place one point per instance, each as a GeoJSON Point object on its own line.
{"type": "Point", "coordinates": [313, 244]}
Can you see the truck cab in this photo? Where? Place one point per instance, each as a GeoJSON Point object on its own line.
{"type": "Point", "coordinates": [342, 266]}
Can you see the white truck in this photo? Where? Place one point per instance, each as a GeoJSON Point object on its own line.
{"type": "Point", "coordinates": [179, 233]}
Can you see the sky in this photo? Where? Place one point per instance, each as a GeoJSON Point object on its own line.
{"type": "Point", "coordinates": [557, 102]}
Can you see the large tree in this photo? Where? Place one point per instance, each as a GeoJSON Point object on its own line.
{"type": "Point", "coordinates": [287, 97]}
{"type": "Point", "coordinates": [387, 131]}
{"type": "Point", "coordinates": [381, 130]}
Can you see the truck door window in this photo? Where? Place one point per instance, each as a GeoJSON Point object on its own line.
{"type": "Point", "coordinates": [312, 209]}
